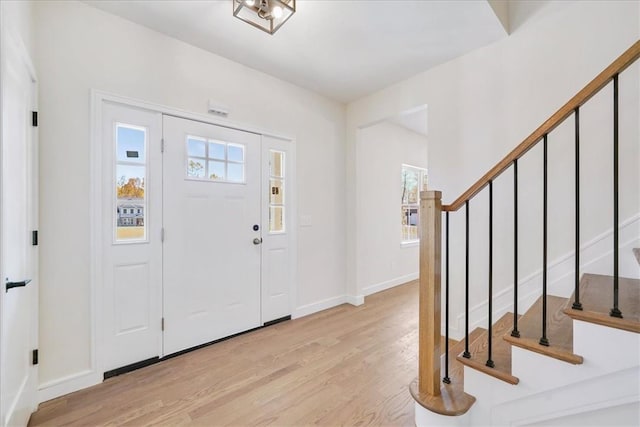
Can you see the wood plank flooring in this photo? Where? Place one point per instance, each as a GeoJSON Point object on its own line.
{"type": "Point", "coordinates": [343, 366]}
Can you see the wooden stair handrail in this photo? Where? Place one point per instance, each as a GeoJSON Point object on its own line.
{"type": "Point", "coordinates": [616, 67]}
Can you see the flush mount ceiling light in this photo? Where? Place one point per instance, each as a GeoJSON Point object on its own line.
{"type": "Point", "coordinates": [268, 15]}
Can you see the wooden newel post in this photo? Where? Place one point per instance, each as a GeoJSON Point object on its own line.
{"type": "Point", "coordinates": [430, 300]}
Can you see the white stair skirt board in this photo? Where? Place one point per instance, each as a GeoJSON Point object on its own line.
{"type": "Point", "coordinates": [554, 392]}
{"type": "Point", "coordinates": [594, 395]}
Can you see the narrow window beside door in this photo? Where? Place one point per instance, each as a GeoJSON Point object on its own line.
{"type": "Point", "coordinates": [130, 175]}
{"type": "Point", "coordinates": [276, 191]}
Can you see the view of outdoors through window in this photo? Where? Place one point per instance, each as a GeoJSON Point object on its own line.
{"type": "Point", "coordinates": [413, 181]}
{"type": "Point", "coordinates": [130, 175]}
{"type": "Point", "coordinates": [215, 160]}
{"type": "Point", "coordinates": [276, 191]}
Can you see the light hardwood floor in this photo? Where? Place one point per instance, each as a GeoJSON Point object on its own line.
{"type": "Point", "coordinates": [343, 366]}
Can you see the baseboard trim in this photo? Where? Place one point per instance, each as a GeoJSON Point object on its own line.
{"type": "Point", "coordinates": [355, 300]}
{"type": "Point", "coordinates": [387, 284]}
{"type": "Point", "coordinates": [69, 384]}
{"type": "Point", "coordinates": [315, 307]}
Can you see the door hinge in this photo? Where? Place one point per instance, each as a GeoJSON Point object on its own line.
{"type": "Point", "coordinates": [34, 118]}
{"type": "Point", "coordinates": [162, 145]}
{"type": "Point", "coordinates": [34, 357]}
{"type": "Point", "coordinates": [34, 238]}
{"type": "Point", "coordinates": [162, 234]}
{"type": "Point", "coordinates": [162, 324]}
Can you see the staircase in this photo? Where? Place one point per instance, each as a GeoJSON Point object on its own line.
{"type": "Point", "coordinates": [561, 361]}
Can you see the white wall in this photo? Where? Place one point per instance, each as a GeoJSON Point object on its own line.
{"type": "Point", "coordinates": [483, 104]}
{"type": "Point", "coordinates": [382, 149]}
{"type": "Point", "coordinates": [80, 48]}
{"type": "Point", "coordinates": [17, 18]}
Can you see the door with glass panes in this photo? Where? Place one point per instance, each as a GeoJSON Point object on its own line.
{"type": "Point", "coordinates": [186, 260]}
{"type": "Point", "coordinates": [212, 236]}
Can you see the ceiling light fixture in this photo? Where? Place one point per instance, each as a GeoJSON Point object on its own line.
{"type": "Point", "coordinates": [267, 15]}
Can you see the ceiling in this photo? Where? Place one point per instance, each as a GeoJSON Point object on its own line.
{"type": "Point", "coordinates": [341, 49]}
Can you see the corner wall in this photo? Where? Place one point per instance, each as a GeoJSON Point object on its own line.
{"type": "Point", "coordinates": [483, 104]}
{"type": "Point", "coordinates": [382, 149]}
{"type": "Point", "coordinates": [80, 48]}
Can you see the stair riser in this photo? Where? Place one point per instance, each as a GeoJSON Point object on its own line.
{"type": "Point", "coordinates": [611, 359]}
{"type": "Point", "coordinates": [609, 349]}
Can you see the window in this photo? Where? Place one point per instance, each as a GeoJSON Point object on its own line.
{"type": "Point", "coordinates": [413, 181]}
{"type": "Point", "coordinates": [276, 192]}
{"type": "Point", "coordinates": [130, 179]}
{"type": "Point", "coordinates": [211, 160]}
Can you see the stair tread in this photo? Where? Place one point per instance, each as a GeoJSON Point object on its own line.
{"type": "Point", "coordinates": [501, 351]}
{"type": "Point", "coordinates": [456, 369]}
{"type": "Point", "coordinates": [596, 297]}
{"type": "Point", "coordinates": [559, 330]}
{"type": "Point", "coordinates": [452, 399]}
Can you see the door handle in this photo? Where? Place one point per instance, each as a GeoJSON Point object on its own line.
{"type": "Point", "coordinates": [11, 285]}
{"type": "Point", "coordinates": [257, 241]}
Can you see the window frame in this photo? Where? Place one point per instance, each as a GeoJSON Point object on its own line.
{"type": "Point", "coordinates": [207, 159]}
{"type": "Point", "coordinates": [282, 179]}
{"type": "Point", "coordinates": [405, 237]}
{"type": "Point", "coordinates": [145, 201]}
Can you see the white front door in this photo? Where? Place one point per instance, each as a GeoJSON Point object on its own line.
{"type": "Point", "coordinates": [18, 260]}
{"type": "Point", "coordinates": [212, 232]}
{"type": "Point", "coordinates": [131, 235]}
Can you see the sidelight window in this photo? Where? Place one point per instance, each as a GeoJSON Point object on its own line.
{"type": "Point", "coordinates": [276, 191]}
{"type": "Point", "coordinates": [130, 179]}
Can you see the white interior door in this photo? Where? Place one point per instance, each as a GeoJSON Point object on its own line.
{"type": "Point", "coordinates": [18, 260]}
{"type": "Point", "coordinates": [212, 232]}
{"type": "Point", "coordinates": [131, 235]}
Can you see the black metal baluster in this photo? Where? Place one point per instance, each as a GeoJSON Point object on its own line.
{"type": "Point", "coordinates": [466, 353]}
{"type": "Point", "coordinates": [576, 303]}
{"type": "Point", "coordinates": [489, 362]}
{"type": "Point", "coordinates": [615, 311]}
{"type": "Point", "coordinates": [544, 340]}
{"type": "Point", "coordinates": [515, 333]}
{"type": "Point", "coordinates": [446, 378]}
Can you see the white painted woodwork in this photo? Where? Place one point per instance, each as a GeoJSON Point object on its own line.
{"type": "Point", "coordinates": [552, 392]}
{"type": "Point", "coordinates": [132, 272]}
{"type": "Point", "coordinates": [277, 247]}
{"type": "Point", "coordinates": [211, 266]}
{"type": "Point", "coordinates": [18, 213]}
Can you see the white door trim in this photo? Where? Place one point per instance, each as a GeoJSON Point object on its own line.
{"type": "Point", "coordinates": [93, 375]}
